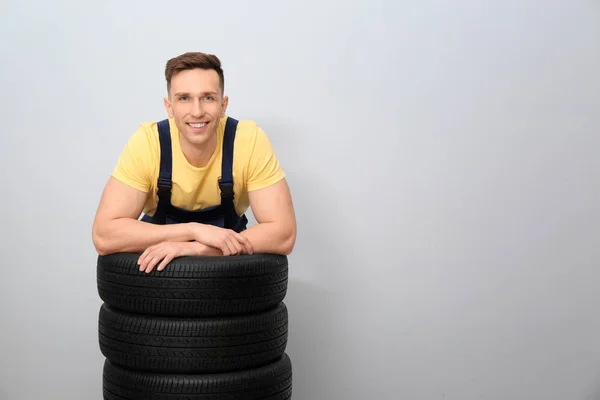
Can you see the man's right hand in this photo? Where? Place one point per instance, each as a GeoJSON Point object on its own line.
{"type": "Point", "coordinates": [226, 240]}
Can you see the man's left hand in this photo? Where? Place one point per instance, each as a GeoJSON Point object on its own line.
{"type": "Point", "coordinates": [165, 252]}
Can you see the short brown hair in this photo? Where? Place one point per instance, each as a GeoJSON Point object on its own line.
{"type": "Point", "coordinates": [193, 60]}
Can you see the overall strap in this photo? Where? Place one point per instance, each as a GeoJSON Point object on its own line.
{"type": "Point", "coordinates": [226, 181]}
{"type": "Point", "coordinates": [165, 175]}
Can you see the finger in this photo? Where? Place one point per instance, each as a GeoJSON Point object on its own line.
{"type": "Point", "coordinates": [144, 257]}
{"type": "Point", "coordinates": [148, 251]}
{"type": "Point", "coordinates": [226, 249]}
{"type": "Point", "coordinates": [152, 263]}
{"type": "Point", "coordinates": [244, 240]}
{"type": "Point", "coordinates": [164, 262]}
{"type": "Point", "coordinates": [239, 247]}
{"type": "Point", "coordinates": [246, 243]}
{"type": "Point", "coordinates": [143, 262]}
{"type": "Point", "coordinates": [235, 246]}
{"type": "Point", "coordinates": [248, 246]}
{"type": "Point", "coordinates": [150, 254]}
{"type": "Point", "coordinates": [230, 248]}
{"type": "Point", "coordinates": [141, 259]}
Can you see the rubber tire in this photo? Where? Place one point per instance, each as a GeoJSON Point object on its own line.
{"type": "Point", "coordinates": [194, 286]}
{"type": "Point", "coordinates": [209, 345]}
{"type": "Point", "coordinates": [271, 382]}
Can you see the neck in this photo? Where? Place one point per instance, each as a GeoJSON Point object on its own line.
{"type": "Point", "coordinates": [198, 155]}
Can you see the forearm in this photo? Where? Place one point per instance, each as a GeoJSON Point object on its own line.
{"type": "Point", "coordinates": [271, 237]}
{"type": "Point", "coordinates": [201, 249]}
{"type": "Point", "coordinates": [130, 235]}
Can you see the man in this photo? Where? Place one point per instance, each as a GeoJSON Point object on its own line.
{"type": "Point", "coordinates": [193, 176]}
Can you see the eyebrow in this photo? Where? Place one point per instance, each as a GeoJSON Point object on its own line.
{"type": "Point", "coordinates": [187, 94]}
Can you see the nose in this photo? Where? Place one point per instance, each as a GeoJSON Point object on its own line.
{"type": "Point", "coordinates": [197, 110]}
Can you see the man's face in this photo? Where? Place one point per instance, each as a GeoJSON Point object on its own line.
{"type": "Point", "coordinates": [196, 103]}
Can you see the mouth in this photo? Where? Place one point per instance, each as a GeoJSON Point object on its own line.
{"type": "Point", "coordinates": [197, 125]}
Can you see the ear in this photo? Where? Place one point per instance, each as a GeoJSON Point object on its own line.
{"type": "Point", "coordinates": [224, 106]}
{"type": "Point", "coordinates": [168, 107]}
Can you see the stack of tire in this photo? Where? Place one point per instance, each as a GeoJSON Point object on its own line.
{"type": "Point", "coordinates": [204, 328]}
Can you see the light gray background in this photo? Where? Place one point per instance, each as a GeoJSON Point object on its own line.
{"type": "Point", "coordinates": [443, 159]}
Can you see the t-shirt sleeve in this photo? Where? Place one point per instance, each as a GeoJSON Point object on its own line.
{"type": "Point", "coordinates": [135, 164]}
{"type": "Point", "coordinates": [263, 167]}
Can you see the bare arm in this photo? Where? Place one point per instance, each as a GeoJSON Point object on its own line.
{"type": "Point", "coordinates": [276, 229]}
{"type": "Point", "coordinates": [116, 227]}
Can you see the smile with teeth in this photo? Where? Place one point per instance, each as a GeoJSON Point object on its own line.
{"type": "Point", "coordinates": [199, 125]}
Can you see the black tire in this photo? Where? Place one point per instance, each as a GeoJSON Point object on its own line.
{"type": "Point", "coordinates": [208, 345]}
{"type": "Point", "coordinates": [271, 382]}
{"type": "Point", "coordinates": [194, 286]}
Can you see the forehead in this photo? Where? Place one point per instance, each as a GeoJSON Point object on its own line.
{"type": "Point", "coordinates": [195, 81]}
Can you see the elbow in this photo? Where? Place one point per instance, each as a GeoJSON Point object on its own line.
{"type": "Point", "coordinates": [100, 243]}
{"type": "Point", "coordinates": [100, 246]}
{"type": "Point", "coordinates": [102, 251]}
{"type": "Point", "coordinates": [286, 251]}
{"type": "Point", "coordinates": [288, 244]}
{"type": "Point", "coordinates": [288, 248]}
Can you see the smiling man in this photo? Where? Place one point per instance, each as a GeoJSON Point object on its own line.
{"type": "Point", "coordinates": [193, 176]}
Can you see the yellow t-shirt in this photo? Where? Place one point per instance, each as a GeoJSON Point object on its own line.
{"type": "Point", "coordinates": [255, 166]}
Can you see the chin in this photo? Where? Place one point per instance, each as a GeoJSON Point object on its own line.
{"type": "Point", "coordinates": [199, 138]}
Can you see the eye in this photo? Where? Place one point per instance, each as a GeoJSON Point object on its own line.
{"type": "Point", "coordinates": [183, 98]}
{"type": "Point", "coordinates": [209, 98]}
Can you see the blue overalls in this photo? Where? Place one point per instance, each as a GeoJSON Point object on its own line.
{"type": "Point", "coordinates": [222, 215]}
